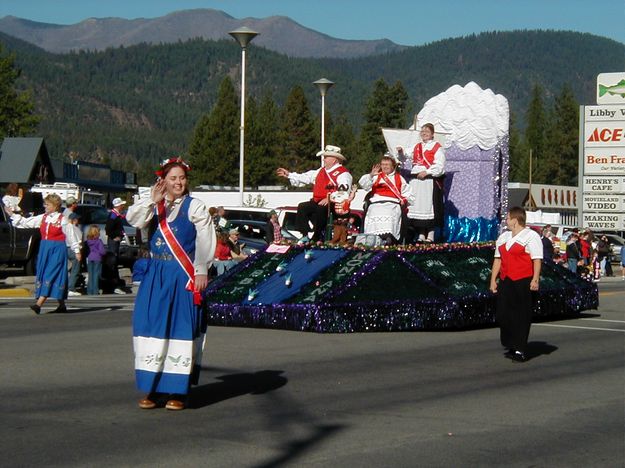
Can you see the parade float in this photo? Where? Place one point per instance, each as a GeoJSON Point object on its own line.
{"type": "Point", "coordinates": [335, 289]}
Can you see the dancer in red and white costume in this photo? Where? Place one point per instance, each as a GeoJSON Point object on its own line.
{"type": "Point", "coordinates": [390, 194]}
{"type": "Point", "coordinates": [517, 264]}
{"type": "Point", "coordinates": [428, 168]}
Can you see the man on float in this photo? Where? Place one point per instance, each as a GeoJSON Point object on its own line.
{"type": "Point", "coordinates": [331, 177]}
{"type": "Point", "coordinates": [426, 182]}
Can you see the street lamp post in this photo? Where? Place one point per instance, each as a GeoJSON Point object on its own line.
{"type": "Point", "coordinates": [323, 85]}
{"type": "Point", "coordinates": [243, 36]}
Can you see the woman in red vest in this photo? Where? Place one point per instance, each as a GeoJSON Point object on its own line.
{"type": "Point", "coordinates": [389, 196]}
{"type": "Point", "coordinates": [426, 183]}
{"type": "Point", "coordinates": [332, 176]}
{"type": "Point", "coordinates": [517, 263]}
{"type": "Point", "coordinates": [51, 279]}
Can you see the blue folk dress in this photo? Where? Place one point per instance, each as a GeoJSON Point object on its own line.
{"type": "Point", "coordinates": [168, 329]}
{"type": "Point", "coordinates": [51, 269]}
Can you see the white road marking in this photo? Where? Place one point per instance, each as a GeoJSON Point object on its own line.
{"type": "Point", "coordinates": [604, 320]}
{"type": "Point", "coordinates": [572, 326]}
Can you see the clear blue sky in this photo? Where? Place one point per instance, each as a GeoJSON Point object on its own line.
{"type": "Point", "coordinates": [404, 22]}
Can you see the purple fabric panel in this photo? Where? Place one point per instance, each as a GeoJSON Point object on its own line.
{"type": "Point", "coordinates": [470, 182]}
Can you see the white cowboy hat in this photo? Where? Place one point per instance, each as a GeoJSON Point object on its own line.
{"type": "Point", "coordinates": [334, 151]}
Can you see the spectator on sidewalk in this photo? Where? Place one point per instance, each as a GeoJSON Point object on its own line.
{"type": "Point", "coordinates": [97, 251]}
{"type": "Point", "coordinates": [71, 204]}
{"type": "Point", "coordinates": [74, 258]}
{"type": "Point", "coordinates": [115, 233]}
{"type": "Point", "coordinates": [12, 198]}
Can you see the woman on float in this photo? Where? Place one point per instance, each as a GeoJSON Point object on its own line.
{"type": "Point", "coordinates": [426, 183]}
{"type": "Point", "coordinates": [168, 328]}
{"type": "Point", "coordinates": [390, 195]}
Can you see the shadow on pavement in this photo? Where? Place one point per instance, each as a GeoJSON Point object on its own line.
{"type": "Point", "coordinates": [235, 385]}
{"type": "Point", "coordinates": [295, 448]}
{"type": "Point", "coordinates": [538, 348]}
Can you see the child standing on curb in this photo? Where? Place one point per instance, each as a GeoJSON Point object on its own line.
{"type": "Point", "coordinates": [94, 259]}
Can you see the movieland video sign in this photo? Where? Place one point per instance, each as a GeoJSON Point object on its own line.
{"type": "Point", "coordinates": [602, 156]}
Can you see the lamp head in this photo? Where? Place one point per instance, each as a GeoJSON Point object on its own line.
{"type": "Point", "coordinates": [243, 35]}
{"type": "Point", "coordinates": [323, 85]}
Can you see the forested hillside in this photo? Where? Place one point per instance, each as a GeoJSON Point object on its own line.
{"type": "Point", "coordinates": [142, 103]}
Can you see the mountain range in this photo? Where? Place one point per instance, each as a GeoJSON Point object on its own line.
{"type": "Point", "coordinates": [141, 102]}
{"type": "Point", "coordinates": [277, 33]}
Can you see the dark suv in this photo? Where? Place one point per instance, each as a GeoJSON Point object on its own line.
{"type": "Point", "coordinates": [96, 214]}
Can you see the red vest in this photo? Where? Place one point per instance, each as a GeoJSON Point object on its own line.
{"type": "Point", "coordinates": [378, 188]}
{"type": "Point", "coordinates": [516, 263]}
{"type": "Point", "coordinates": [52, 231]}
{"type": "Point", "coordinates": [421, 158]}
{"type": "Point", "coordinates": [326, 183]}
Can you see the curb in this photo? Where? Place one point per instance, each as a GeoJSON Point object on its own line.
{"type": "Point", "coordinates": [15, 292]}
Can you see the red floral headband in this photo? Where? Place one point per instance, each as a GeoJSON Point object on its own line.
{"type": "Point", "coordinates": [167, 162]}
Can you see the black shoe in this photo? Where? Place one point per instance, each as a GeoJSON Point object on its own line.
{"type": "Point", "coordinates": [59, 310]}
{"type": "Point", "coordinates": [35, 308]}
{"type": "Point", "coordinates": [518, 356]}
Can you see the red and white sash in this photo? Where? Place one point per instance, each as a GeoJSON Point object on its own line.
{"type": "Point", "coordinates": [178, 252]}
{"type": "Point", "coordinates": [392, 186]}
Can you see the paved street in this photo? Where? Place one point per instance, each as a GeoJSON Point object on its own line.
{"type": "Point", "coordinates": [281, 398]}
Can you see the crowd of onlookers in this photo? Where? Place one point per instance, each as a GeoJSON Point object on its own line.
{"type": "Point", "coordinates": [581, 251]}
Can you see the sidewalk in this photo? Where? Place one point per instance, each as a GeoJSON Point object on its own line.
{"type": "Point", "coordinates": [24, 286]}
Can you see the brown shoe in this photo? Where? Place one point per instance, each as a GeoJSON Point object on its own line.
{"type": "Point", "coordinates": [146, 403]}
{"type": "Point", "coordinates": [174, 405]}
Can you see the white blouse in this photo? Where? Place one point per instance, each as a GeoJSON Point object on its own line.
{"type": "Point", "coordinates": [308, 178]}
{"type": "Point", "coordinates": [71, 237]}
{"type": "Point", "coordinates": [140, 214]}
{"type": "Point", "coordinates": [527, 238]}
{"type": "Point", "coordinates": [367, 180]}
{"type": "Point", "coordinates": [437, 168]}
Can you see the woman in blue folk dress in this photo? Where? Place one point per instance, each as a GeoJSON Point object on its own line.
{"type": "Point", "coordinates": [168, 326]}
{"type": "Point", "coordinates": [51, 268]}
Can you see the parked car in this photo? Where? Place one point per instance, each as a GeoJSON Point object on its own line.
{"type": "Point", "coordinates": [96, 214]}
{"type": "Point", "coordinates": [252, 234]}
{"type": "Point", "coordinates": [18, 247]}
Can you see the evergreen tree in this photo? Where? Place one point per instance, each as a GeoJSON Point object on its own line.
{"type": "Point", "coordinates": [386, 107]}
{"type": "Point", "coordinates": [17, 115]}
{"type": "Point", "coordinates": [398, 106]}
{"type": "Point", "coordinates": [535, 133]}
{"type": "Point", "coordinates": [299, 138]}
{"type": "Point", "coordinates": [341, 134]}
{"type": "Point", "coordinates": [262, 141]}
{"type": "Point", "coordinates": [214, 148]}
{"type": "Point", "coordinates": [519, 157]}
{"type": "Point", "coordinates": [565, 140]}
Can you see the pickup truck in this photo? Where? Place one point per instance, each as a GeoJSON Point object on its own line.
{"type": "Point", "coordinates": [18, 247]}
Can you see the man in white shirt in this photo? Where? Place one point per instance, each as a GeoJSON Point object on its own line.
{"type": "Point", "coordinates": [331, 177]}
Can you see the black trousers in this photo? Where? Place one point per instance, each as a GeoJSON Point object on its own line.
{"type": "Point", "coordinates": [514, 312]}
{"type": "Point", "coordinates": [309, 211]}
